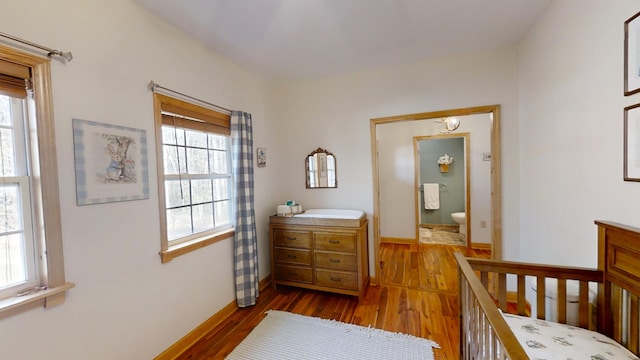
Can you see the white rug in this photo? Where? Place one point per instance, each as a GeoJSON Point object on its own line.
{"type": "Point", "coordinates": [282, 335]}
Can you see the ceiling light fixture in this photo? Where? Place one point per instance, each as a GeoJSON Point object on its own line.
{"type": "Point", "coordinates": [450, 124]}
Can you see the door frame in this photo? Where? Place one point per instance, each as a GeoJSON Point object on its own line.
{"type": "Point", "coordinates": [496, 184]}
{"type": "Point", "coordinates": [467, 180]}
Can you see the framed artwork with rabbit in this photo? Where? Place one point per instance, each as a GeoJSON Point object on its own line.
{"type": "Point", "coordinates": [110, 162]}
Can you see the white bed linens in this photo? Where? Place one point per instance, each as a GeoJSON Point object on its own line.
{"type": "Point", "coordinates": [550, 340]}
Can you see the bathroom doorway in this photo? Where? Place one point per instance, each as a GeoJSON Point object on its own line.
{"type": "Point", "coordinates": [442, 183]}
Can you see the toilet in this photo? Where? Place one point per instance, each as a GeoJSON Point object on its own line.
{"type": "Point", "coordinates": [461, 219]}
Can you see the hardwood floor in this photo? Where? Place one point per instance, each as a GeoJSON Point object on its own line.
{"type": "Point", "coordinates": [417, 295]}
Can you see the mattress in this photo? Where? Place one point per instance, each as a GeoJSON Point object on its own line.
{"type": "Point", "coordinates": [549, 340]}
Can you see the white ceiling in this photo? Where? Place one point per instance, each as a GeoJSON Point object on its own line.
{"type": "Point", "coordinates": [309, 39]}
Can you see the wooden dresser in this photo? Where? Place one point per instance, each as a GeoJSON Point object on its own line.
{"type": "Point", "coordinates": [320, 254]}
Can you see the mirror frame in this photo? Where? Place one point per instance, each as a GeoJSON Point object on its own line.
{"type": "Point", "coordinates": [306, 168]}
{"type": "Point", "coordinates": [496, 184]}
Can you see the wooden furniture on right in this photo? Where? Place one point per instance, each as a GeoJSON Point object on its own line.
{"type": "Point", "coordinates": [484, 331]}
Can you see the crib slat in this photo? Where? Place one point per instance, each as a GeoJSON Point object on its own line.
{"type": "Point", "coordinates": [562, 301]}
{"type": "Point", "coordinates": [541, 290]}
{"type": "Point", "coordinates": [486, 334]}
{"type": "Point", "coordinates": [502, 291]}
{"type": "Point", "coordinates": [486, 338]}
{"type": "Point", "coordinates": [616, 306]}
{"type": "Point", "coordinates": [583, 300]}
{"type": "Point", "coordinates": [522, 301]}
{"type": "Point", "coordinates": [633, 324]}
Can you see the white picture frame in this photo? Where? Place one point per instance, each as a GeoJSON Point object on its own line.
{"type": "Point", "coordinates": [110, 163]}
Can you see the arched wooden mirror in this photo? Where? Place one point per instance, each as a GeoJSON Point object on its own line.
{"type": "Point", "coordinates": [320, 167]}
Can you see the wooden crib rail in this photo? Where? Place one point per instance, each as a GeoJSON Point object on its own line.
{"type": "Point", "coordinates": [500, 270]}
{"type": "Point", "coordinates": [484, 332]}
{"type": "Point", "coordinates": [483, 285]}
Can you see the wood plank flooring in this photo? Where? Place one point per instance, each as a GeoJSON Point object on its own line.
{"type": "Point", "coordinates": [417, 295]}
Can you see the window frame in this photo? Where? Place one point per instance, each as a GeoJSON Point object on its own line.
{"type": "Point", "coordinates": [31, 251]}
{"type": "Point", "coordinates": [21, 180]}
{"type": "Point", "coordinates": [204, 119]}
{"type": "Point", "coordinates": [45, 205]}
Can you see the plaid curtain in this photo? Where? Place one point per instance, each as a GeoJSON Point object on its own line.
{"type": "Point", "coordinates": [245, 241]}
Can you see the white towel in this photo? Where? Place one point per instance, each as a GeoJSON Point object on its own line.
{"type": "Point", "coordinates": [431, 194]}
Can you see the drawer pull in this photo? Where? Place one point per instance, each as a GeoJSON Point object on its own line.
{"type": "Point", "coordinates": [291, 238]}
{"type": "Point", "coordinates": [334, 241]}
{"type": "Point", "coordinates": [334, 260]}
{"type": "Point", "coordinates": [291, 273]}
{"type": "Point", "coordinates": [336, 279]}
{"type": "Point", "coordinates": [290, 256]}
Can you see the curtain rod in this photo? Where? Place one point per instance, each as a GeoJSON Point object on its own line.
{"type": "Point", "coordinates": [153, 86]}
{"type": "Point", "coordinates": [50, 52]}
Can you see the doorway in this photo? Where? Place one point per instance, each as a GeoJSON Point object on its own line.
{"type": "Point", "coordinates": [442, 188]}
{"type": "Point", "coordinates": [398, 197]}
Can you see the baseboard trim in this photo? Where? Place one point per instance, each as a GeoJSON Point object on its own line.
{"type": "Point", "coordinates": [203, 329]}
{"type": "Point", "coordinates": [391, 240]}
{"type": "Point", "coordinates": [481, 246]}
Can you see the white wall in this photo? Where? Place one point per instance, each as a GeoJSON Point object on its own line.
{"type": "Point", "coordinates": [335, 114]}
{"type": "Point", "coordinates": [396, 162]}
{"type": "Point", "coordinates": [571, 113]}
{"type": "Point", "coordinates": [126, 304]}
{"type": "Point", "coordinates": [479, 128]}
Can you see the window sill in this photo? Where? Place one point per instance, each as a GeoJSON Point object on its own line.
{"type": "Point", "coordinates": [47, 298]}
{"type": "Point", "coordinates": [184, 248]}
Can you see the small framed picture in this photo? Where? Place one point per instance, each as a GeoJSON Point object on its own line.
{"type": "Point", "coordinates": [632, 55]}
{"type": "Point", "coordinates": [111, 163]}
{"type": "Point", "coordinates": [632, 143]}
{"type": "Point", "coordinates": [262, 157]}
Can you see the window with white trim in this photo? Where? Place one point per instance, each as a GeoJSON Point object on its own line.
{"type": "Point", "coordinates": [31, 261]}
{"type": "Point", "coordinates": [194, 173]}
{"type": "Point", "coordinates": [18, 266]}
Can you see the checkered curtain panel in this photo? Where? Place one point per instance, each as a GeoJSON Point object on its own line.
{"type": "Point", "coordinates": [245, 242]}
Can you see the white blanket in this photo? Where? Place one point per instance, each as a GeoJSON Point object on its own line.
{"type": "Point", "coordinates": [550, 340]}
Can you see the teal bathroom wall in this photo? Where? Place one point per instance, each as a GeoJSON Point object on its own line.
{"type": "Point", "coordinates": [452, 196]}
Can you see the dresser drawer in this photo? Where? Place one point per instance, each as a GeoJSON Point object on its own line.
{"type": "Point", "coordinates": [336, 279]}
{"type": "Point", "coordinates": [295, 239]}
{"type": "Point", "coordinates": [335, 241]}
{"type": "Point", "coordinates": [336, 261]}
{"type": "Point", "coordinates": [291, 256]}
{"type": "Point", "coordinates": [293, 273]}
